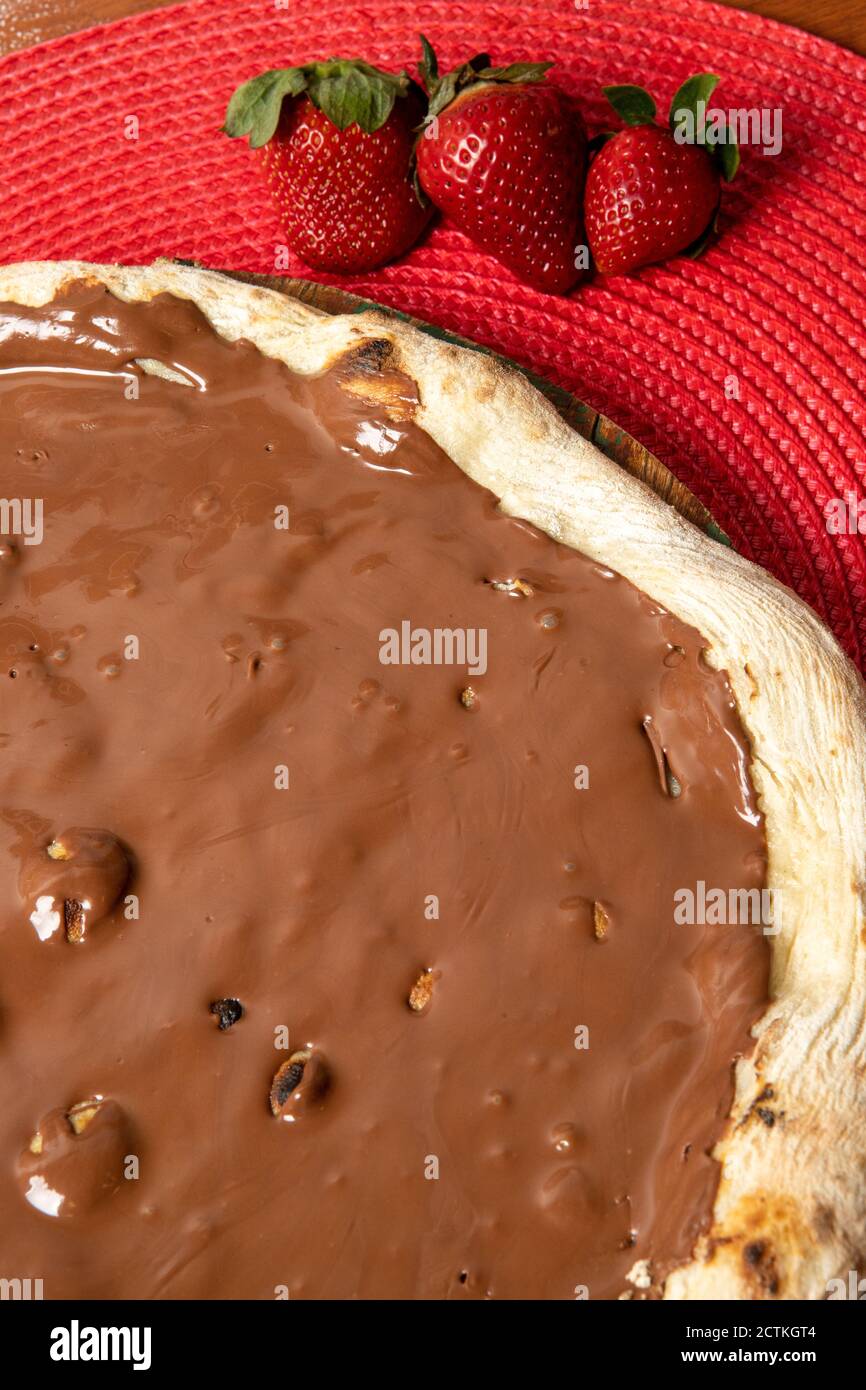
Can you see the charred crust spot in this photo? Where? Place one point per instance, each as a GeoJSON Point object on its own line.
{"type": "Point", "coordinates": [761, 1267]}
{"type": "Point", "coordinates": [370, 356]}
{"type": "Point", "coordinates": [824, 1220]}
{"type": "Point", "coordinates": [370, 373]}
{"type": "Point", "coordinates": [763, 1111]}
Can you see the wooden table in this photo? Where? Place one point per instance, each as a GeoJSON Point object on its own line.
{"type": "Point", "coordinates": [24, 22]}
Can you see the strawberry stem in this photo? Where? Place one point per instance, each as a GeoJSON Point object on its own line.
{"type": "Point", "coordinates": [443, 90]}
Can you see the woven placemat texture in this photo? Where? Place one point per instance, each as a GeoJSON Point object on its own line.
{"type": "Point", "coordinates": [744, 371]}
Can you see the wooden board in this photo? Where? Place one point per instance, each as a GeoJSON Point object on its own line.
{"type": "Point", "coordinates": [613, 441]}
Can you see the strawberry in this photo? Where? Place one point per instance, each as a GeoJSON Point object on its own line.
{"type": "Point", "coordinates": [651, 192]}
{"type": "Point", "coordinates": [337, 139]}
{"type": "Point", "coordinates": [503, 154]}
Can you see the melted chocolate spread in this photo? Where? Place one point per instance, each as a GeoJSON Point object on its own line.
{"type": "Point", "coordinates": [431, 917]}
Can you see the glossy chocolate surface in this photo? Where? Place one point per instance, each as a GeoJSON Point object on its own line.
{"type": "Point", "coordinates": [295, 853]}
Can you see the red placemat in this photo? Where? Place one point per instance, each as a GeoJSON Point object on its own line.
{"type": "Point", "coordinates": [744, 372]}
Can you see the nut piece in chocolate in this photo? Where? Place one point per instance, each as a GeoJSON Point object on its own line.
{"type": "Point", "coordinates": [600, 921]}
{"type": "Point", "coordinates": [227, 1011]}
{"type": "Point", "coordinates": [76, 1158]}
{"type": "Point", "coordinates": [300, 1085]}
{"type": "Point", "coordinates": [73, 882]}
{"type": "Point", "coordinates": [421, 992]}
{"type": "Point", "coordinates": [513, 586]}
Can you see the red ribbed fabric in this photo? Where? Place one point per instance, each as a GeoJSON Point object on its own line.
{"type": "Point", "coordinates": [743, 371]}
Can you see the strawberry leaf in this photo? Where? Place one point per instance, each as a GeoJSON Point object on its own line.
{"type": "Point", "coordinates": [346, 90]}
{"type": "Point", "coordinates": [684, 115]}
{"type": "Point", "coordinates": [632, 104]}
{"type": "Point", "coordinates": [443, 90]}
{"type": "Point", "coordinates": [254, 109]}
{"type": "Point", "coordinates": [350, 91]}
{"type": "Point", "coordinates": [515, 72]}
{"type": "Point", "coordinates": [728, 154]}
{"type": "Point", "coordinates": [428, 66]}
{"type": "Point", "coordinates": [694, 89]}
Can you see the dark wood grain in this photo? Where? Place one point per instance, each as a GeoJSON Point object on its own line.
{"type": "Point", "coordinates": [841, 21]}
{"type": "Point", "coordinates": [25, 22]}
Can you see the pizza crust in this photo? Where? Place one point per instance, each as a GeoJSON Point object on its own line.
{"type": "Point", "coordinates": [790, 1213]}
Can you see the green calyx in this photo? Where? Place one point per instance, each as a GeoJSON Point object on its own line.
{"type": "Point", "coordinates": [442, 90]}
{"type": "Point", "coordinates": [633, 105]}
{"type": "Point", "coordinates": [687, 118]}
{"type": "Point", "coordinates": [688, 115]}
{"type": "Point", "coordinates": [346, 90]}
